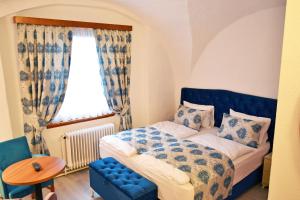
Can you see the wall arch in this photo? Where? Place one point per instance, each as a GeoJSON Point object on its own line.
{"type": "Point", "coordinates": [248, 56]}
{"type": "Point", "coordinates": [209, 17]}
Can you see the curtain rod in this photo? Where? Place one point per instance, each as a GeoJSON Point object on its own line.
{"type": "Point", "coordinates": [68, 23]}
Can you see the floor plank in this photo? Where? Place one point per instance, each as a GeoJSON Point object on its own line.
{"type": "Point", "coordinates": [76, 187]}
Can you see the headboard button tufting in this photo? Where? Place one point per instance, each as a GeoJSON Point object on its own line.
{"type": "Point", "coordinates": [223, 100]}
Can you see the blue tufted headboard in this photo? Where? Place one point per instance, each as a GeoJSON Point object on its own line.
{"type": "Point", "coordinates": [223, 100]}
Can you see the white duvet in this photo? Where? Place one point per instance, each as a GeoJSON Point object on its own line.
{"type": "Point", "coordinates": [206, 137]}
{"type": "Point", "coordinates": [120, 145]}
{"type": "Point", "coordinates": [179, 131]}
{"type": "Point", "coordinates": [168, 178]}
{"type": "Point", "coordinates": [164, 170]}
{"type": "Point", "coordinates": [230, 148]}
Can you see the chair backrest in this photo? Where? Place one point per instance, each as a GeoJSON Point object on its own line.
{"type": "Point", "coordinates": [12, 151]}
{"type": "Point", "coordinates": [51, 196]}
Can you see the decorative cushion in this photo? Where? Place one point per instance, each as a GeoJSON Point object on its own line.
{"type": "Point", "coordinates": [244, 131]}
{"type": "Point", "coordinates": [264, 131]}
{"type": "Point", "coordinates": [112, 180]}
{"type": "Point", "coordinates": [209, 121]}
{"type": "Point", "coordinates": [190, 117]}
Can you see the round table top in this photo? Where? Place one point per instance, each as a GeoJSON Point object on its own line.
{"type": "Point", "coordinates": [23, 173]}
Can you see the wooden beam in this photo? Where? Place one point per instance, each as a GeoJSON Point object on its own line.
{"type": "Point", "coordinates": [68, 23]}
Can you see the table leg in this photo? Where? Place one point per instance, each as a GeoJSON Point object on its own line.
{"type": "Point", "coordinates": [38, 192]}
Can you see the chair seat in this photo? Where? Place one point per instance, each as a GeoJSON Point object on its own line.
{"type": "Point", "coordinates": [22, 191]}
{"type": "Point", "coordinates": [19, 191]}
{"type": "Point", "coordinates": [112, 181]}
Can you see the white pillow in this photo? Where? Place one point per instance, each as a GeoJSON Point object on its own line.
{"type": "Point", "coordinates": [191, 117]}
{"type": "Point", "coordinates": [208, 122]}
{"type": "Point", "coordinates": [263, 137]}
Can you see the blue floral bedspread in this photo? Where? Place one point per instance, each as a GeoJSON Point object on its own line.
{"type": "Point", "coordinates": [211, 172]}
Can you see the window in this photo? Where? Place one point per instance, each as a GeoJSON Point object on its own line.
{"type": "Point", "coordinates": [84, 95]}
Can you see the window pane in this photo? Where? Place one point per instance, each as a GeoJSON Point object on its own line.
{"type": "Point", "coordinates": [84, 96]}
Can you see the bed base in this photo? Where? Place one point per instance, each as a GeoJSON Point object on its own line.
{"type": "Point", "coordinates": [251, 180]}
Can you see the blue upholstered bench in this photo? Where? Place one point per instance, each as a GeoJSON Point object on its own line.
{"type": "Point", "coordinates": [114, 181]}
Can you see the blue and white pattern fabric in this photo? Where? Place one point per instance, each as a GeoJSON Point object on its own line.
{"type": "Point", "coordinates": [114, 50]}
{"type": "Point", "coordinates": [244, 131]}
{"type": "Point", "coordinates": [190, 117]}
{"type": "Point", "coordinates": [211, 172]}
{"type": "Point", "coordinates": [44, 54]}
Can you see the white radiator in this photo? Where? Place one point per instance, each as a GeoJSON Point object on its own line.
{"type": "Point", "coordinates": [81, 147]}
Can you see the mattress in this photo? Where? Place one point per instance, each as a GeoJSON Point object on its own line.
{"type": "Point", "coordinates": [246, 164]}
{"type": "Point", "coordinates": [171, 190]}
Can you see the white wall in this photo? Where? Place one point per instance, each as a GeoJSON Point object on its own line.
{"type": "Point", "coordinates": [11, 74]}
{"type": "Point", "coordinates": [244, 57]}
{"type": "Point", "coordinates": [5, 126]}
{"type": "Point", "coordinates": [161, 83]}
{"type": "Point", "coordinates": [239, 36]}
{"type": "Point", "coordinates": [145, 74]}
{"type": "Point", "coordinates": [285, 171]}
{"type": "Point", "coordinates": [209, 17]}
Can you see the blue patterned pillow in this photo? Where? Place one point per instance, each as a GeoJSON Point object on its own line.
{"type": "Point", "coordinates": [243, 131]}
{"type": "Point", "coordinates": [190, 117]}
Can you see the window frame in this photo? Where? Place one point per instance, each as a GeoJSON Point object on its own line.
{"type": "Point", "coordinates": [66, 123]}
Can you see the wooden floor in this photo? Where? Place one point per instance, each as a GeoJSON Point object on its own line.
{"type": "Point", "coordinates": [76, 187]}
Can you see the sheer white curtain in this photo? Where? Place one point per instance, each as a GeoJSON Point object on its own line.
{"type": "Point", "coordinates": [84, 96]}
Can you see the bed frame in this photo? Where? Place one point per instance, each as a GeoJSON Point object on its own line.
{"type": "Point", "coordinates": [223, 100]}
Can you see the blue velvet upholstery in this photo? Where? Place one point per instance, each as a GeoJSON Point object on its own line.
{"type": "Point", "coordinates": [11, 152]}
{"type": "Point", "coordinates": [223, 100]}
{"type": "Point", "coordinates": [112, 181]}
{"type": "Point", "coordinates": [248, 182]}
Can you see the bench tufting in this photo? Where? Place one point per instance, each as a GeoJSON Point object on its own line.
{"type": "Point", "coordinates": [114, 181]}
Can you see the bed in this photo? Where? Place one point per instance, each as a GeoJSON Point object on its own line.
{"type": "Point", "coordinates": [223, 100]}
{"type": "Point", "coordinates": [248, 167]}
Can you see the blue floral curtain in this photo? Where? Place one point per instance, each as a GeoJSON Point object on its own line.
{"type": "Point", "coordinates": [114, 50]}
{"type": "Point", "coordinates": [44, 54]}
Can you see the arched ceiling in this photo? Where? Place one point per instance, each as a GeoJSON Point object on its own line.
{"type": "Point", "coordinates": [185, 26]}
{"type": "Point", "coordinates": [209, 17]}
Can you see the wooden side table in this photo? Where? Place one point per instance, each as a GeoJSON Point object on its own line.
{"type": "Point", "coordinates": [23, 173]}
{"type": "Point", "coordinates": [266, 171]}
